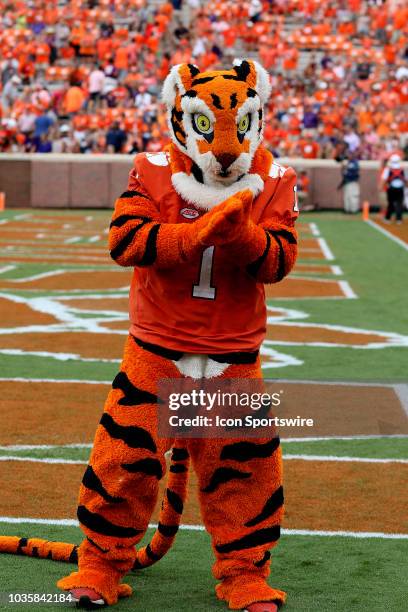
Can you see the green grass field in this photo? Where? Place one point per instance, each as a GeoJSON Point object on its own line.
{"type": "Point", "coordinates": [359, 336]}
{"type": "Point", "coordinates": [319, 573]}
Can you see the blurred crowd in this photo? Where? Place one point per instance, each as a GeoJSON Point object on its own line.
{"type": "Point", "coordinates": [84, 76]}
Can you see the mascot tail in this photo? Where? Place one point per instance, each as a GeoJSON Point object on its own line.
{"type": "Point", "coordinates": [34, 547]}
{"type": "Point", "coordinates": [171, 510]}
{"type": "Point", "coordinates": [161, 542]}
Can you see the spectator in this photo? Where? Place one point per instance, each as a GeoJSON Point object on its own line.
{"type": "Point", "coordinates": [115, 138]}
{"type": "Point", "coordinates": [394, 182]}
{"type": "Point", "coordinates": [74, 99]}
{"type": "Point", "coordinates": [11, 92]}
{"type": "Point", "coordinates": [96, 84]}
{"type": "Point", "coordinates": [350, 184]}
{"type": "Point", "coordinates": [326, 71]}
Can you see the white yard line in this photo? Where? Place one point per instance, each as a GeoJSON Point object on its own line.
{"type": "Point", "coordinates": [34, 277]}
{"type": "Point", "coordinates": [57, 356]}
{"type": "Point", "coordinates": [347, 290]}
{"type": "Point", "coordinates": [342, 459]}
{"type": "Point", "coordinates": [56, 380]}
{"type": "Point", "coordinates": [325, 249]}
{"type": "Point", "coordinates": [402, 392]}
{"type": "Point", "coordinates": [314, 229]}
{"type": "Point", "coordinates": [7, 269]}
{"type": "Point", "coordinates": [72, 240]}
{"type": "Point", "coordinates": [346, 534]}
{"type": "Point", "coordinates": [335, 383]}
{"type": "Point", "coordinates": [94, 238]}
{"type": "Point", "coordinates": [22, 447]}
{"type": "Point", "coordinates": [13, 520]}
{"type": "Point", "coordinates": [22, 216]}
{"type": "Point", "coordinates": [336, 270]}
{"type": "Point", "coordinates": [330, 438]}
{"type": "Point", "coordinates": [41, 460]}
{"type": "Point", "coordinates": [62, 461]}
{"type": "Point", "coordinates": [383, 231]}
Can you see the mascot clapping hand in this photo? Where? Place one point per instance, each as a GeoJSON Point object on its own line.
{"type": "Point", "coordinates": [204, 224]}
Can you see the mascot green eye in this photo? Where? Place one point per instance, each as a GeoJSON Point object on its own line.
{"type": "Point", "coordinates": [202, 123]}
{"type": "Point", "coordinates": [243, 125]}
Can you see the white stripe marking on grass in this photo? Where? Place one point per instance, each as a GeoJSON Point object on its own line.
{"type": "Point", "coordinates": [314, 229]}
{"type": "Point", "coordinates": [60, 460]}
{"type": "Point", "coordinates": [296, 532]}
{"type": "Point", "coordinates": [23, 216]}
{"type": "Point", "coordinates": [6, 269]}
{"type": "Point", "coordinates": [341, 459]}
{"type": "Point", "coordinates": [56, 380]}
{"type": "Point", "coordinates": [330, 438]}
{"type": "Point", "coordinates": [4, 221]}
{"type": "Point", "coordinates": [94, 238]}
{"type": "Point", "coordinates": [395, 239]}
{"type": "Point", "coordinates": [41, 460]}
{"type": "Point", "coordinates": [325, 249]}
{"type": "Point", "coordinates": [335, 383]}
{"type": "Point", "coordinates": [347, 534]}
{"type": "Point", "coordinates": [57, 356]}
{"type": "Point", "coordinates": [72, 240]}
{"type": "Point", "coordinates": [22, 447]}
{"type": "Point", "coordinates": [402, 393]}
{"type": "Point", "coordinates": [347, 290]}
{"type": "Point", "coordinates": [35, 277]}
{"type": "Point", "coordinates": [336, 270]}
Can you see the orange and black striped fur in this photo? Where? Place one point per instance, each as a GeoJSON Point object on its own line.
{"type": "Point", "coordinates": [219, 165]}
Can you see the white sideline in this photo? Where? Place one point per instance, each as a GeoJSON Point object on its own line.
{"type": "Point", "coordinates": [296, 532]}
{"type": "Point", "coordinates": [395, 239]}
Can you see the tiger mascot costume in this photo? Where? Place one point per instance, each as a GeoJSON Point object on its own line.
{"type": "Point", "coordinates": [204, 224]}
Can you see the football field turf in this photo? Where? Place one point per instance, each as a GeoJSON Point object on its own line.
{"type": "Point", "coordinates": [340, 321]}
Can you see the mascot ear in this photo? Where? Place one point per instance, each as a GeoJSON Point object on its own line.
{"type": "Point", "coordinates": [255, 75]}
{"type": "Point", "coordinates": [179, 81]}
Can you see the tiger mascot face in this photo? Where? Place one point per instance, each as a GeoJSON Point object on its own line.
{"type": "Point", "coordinates": [216, 123]}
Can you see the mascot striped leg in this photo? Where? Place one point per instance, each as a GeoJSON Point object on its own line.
{"type": "Point", "coordinates": [120, 486]}
{"type": "Point", "coordinates": [241, 499]}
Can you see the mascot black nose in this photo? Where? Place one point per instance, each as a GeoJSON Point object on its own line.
{"type": "Point", "coordinates": [226, 159]}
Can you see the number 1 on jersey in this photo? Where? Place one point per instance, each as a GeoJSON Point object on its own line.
{"type": "Point", "coordinates": [204, 288]}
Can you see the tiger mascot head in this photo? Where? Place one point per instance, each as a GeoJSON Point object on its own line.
{"type": "Point", "coordinates": [216, 124]}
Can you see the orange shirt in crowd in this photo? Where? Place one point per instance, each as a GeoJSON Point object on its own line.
{"type": "Point", "coordinates": [122, 58]}
{"type": "Point", "coordinates": [74, 99]}
{"type": "Point", "coordinates": [308, 150]}
{"type": "Point", "coordinates": [42, 55]}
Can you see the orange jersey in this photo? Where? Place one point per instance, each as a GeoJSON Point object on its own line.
{"type": "Point", "coordinates": [208, 304]}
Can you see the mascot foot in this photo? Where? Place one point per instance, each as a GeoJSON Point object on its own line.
{"type": "Point", "coordinates": [87, 599]}
{"type": "Point", "coordinates": [251, 593]}
{"type": "Point", "coordinates": [266, 606]}
{"type": "Point", "coordinates": [91, 589]}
